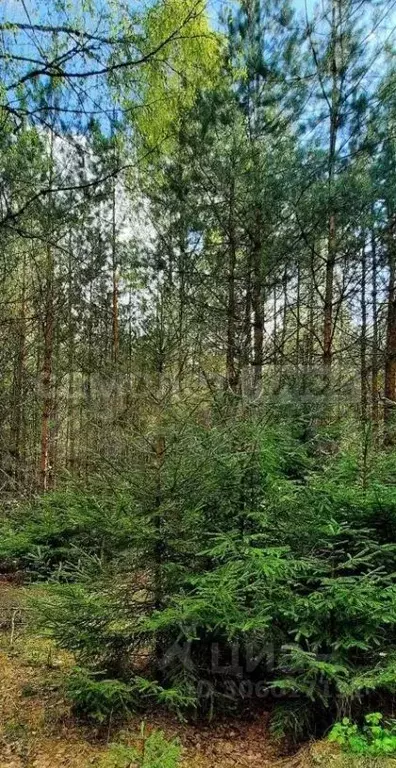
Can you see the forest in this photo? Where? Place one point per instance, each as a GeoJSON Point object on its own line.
{"type": "Point", "coordinates": [197, 383]}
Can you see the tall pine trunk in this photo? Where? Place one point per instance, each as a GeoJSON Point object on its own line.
{"type": "Point", "coordinates": [374, 359]}
{"type": "Point", "coordinates": [332, 232]}
{"type": "Point", "coordinates": [232, 375]}
{"type": "Point", "coordinates": [70, 428]}
{"type": "Point", "coordinates": [257, 303]}
{"type": "Point", "coordinates": [115, 335]}
{"type": "Point", "coordinates": [390, 352]}
{"type": "Point", "coordinates": [48, 339]}
{"type": "Point", "coordinates": [18, 427]}
{"type": "Point", "coordinates": [363, 339]}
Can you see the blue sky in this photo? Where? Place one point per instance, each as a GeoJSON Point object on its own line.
{"type": "Point", "coordinates": [43, 10]}
{"type": "Point", "coordinates": [14, 9]}
{"type": "Point", "coordinates": [298, 4]}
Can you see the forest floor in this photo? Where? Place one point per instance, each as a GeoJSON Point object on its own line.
{"type": "Point", "coordinates": [38, 730]}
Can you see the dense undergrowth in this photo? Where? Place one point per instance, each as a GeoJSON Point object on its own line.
{"type": "Point", "coordinates": [247, 567]}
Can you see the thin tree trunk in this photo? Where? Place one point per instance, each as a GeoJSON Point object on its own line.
{"type": "Point", "coordinates": [70, 430]}
{"type": "Point", "coordinates": [159, 456]}
{"type": "Point", "coordinates": [86, 403]}
{"type": "Point", "coordinates": [311, 322]}
{"type": "Point", "coordinates": [374, 364]}
{"type": "Point", "coordinates": [114, 266]}
{"type": "Point", "coordinates": [298, 319]}
{"type": "Point", "coordinates": [328, 304]}
{"type": "Point", "coordinates": [46, 379]}
{"type": "Point", "coordinates": [258, 305]}
{"type": "Point", "coordinates": [363, 340]}
{"type": "Point", "coordinates": [247, 347]}
{"type": "Point", "coordinates": [18, 425]}
{"type": "Point", "coordinates": [284, 327]}
{"type": "Point", "coordinates": [232, 376]}
{"type": "Point", "coordinates": [332, 232]}
{"type": "Point", "coordinates": [275, 334]}
{"type": "Point", "coordinates": [390, 355]}
{"type": "Point", "coordinates": [53, 447]}
{"type": "Point", "coordinates": [47, 376]}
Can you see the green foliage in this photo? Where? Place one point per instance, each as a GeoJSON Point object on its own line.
{"type": "Point", "coordinates": [239, 545]}
{"type": "Point", "coordinates": [97, 621]}
{"type": "Point", "coordinates": [170, 83]}
{"type": "Point", "coordinates": [292, 720]}
{"type": "Point", "coordinates": [96, 698]}
{"type": "Point", "coordinates": [337, 605]}
{"type": "Point", "coordinates": [154, 751]}
{"type": "Point", "coordinates": [64, 531]}
{"type": "Point", "coordinates": [373, 738]}
{"type": "Point", "coordinates": [255, 574]}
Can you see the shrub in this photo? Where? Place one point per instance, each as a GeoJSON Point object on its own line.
{"type": "Point", "coordinates": [96, 620]}
{"type": "Point", "coordinates": [98, 699]}
{"type": "Point", "coordinates": [373, 738]}
{"type": "Point", "coordinates": [251, 572]}
{"type": "Point", "coordinates": [67, 532]}
{"type": "Point", "coordinates": [154, 751]}
{"type": "Point", "coordinates": [328, 619]}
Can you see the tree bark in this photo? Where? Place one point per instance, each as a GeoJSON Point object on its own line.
{"type": "Point", "coordinates": [46, 379]}
{"type": "Point", "coordinates": [390, 353]}
{"type": "Point", "coordinates": [70, 429]}
{"type": "Point", "coordinates": [18, 423]}
{"type": "Point", "coordinates": [332, 232]}
{"type": "Point", "coordinates": [363, 339]}
{"type": "Point", "coordinates": [257, 304]}
{"type": "Point", "coordinates": [232, 375]}
{"type": "Point", "coordinates": [374, 361]}
{"type": "Point", "coordinates": [115, 336]}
